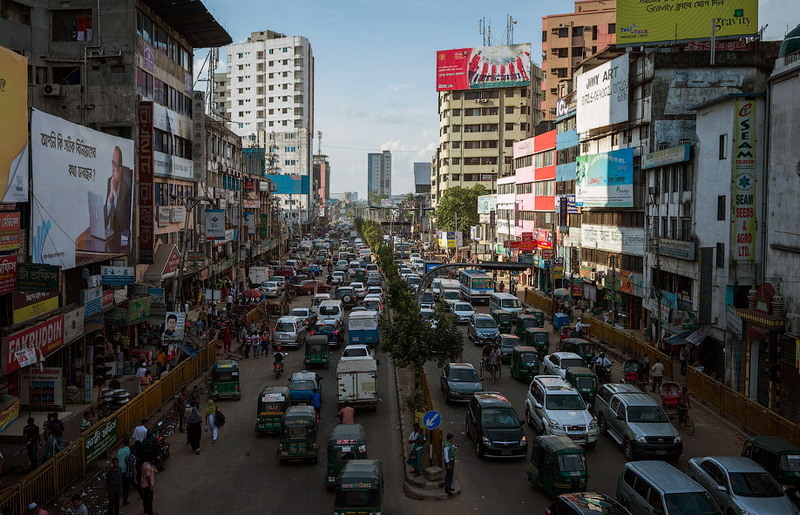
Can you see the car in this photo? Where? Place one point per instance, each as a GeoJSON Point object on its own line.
{"type": "Point", "coordinates": [346, 294]}
{"type": "Point", "coordinates": [281, 280]}
{"type": "Point", "coordinates": [494, 427]}
{"type": "Point", "coordinates": [271, 288]}
{"type": "Point", "coordinates": [289, 331]}
{"type": "Point", "coordinates": [463, 310]}
{"type": "Point", "coordinates": [375, 290]}
{"type": "Point", "coordinates": [372, 267]}
{"type": "Point", "coordinates": [429, 316]}
{"type": "Point", "coordinates": [338, 277]}
{"type": "Point", "coordinates": [739, 485]}
{"type": "Point", "coordinates": [586, 503]}
{"type": "Point", "coordinates": [341, 265]}
{"type": "Point", "coordinates": [357, 352]}
{"type": "Point", "coordinates": [304, 314]}
{"type": "Point", "coordinates": [426, 299]}
{"type": "Point", "coordinates": [373, 302]}
{"type": "Point", "coordinates": [331, 312]}
{"type": "Point", "coordinates": [482, 329]}
{"type": "Point", "coordinates": [360, 289]}
{"type": "Point", "coordinates": [374, 280]}
{"type": "Point", "coordinates": [413, 281]}
{"type": "Point", "coordinates": [554, 407]}
{"type": "Point", "coordinates": [310, 287]}
{"type": "Point", "coordinates": [318, 299]}
{"type": "Point", "coordinates": [507, 344]}
{"type": "Point", "coordinates": [332, 331]}
{"type": "Point", "coordinates": [459, 382]}
{"type": "Point", "coordinates": [301, 386]}
{"type": "Point", "coordinates": [557, 363]}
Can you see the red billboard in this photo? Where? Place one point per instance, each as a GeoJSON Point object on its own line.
{"type": "Point", "coordinates": [8, 274]}
{"type": "Point", "coordinates": [45, 336]}
{"type": "Point", "coordinates": [483, 67]}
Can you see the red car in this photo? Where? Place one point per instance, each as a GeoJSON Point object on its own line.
{"type": "Point", "coordinates": [307, 287]}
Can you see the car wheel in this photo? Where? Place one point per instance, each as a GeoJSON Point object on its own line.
{"type": "Point", "coordinates": [627, 449]}
{"type": "Point", "coordinates": [528, 418]}
{"type": "Point", "coordinates": [601, 425]}
{"type": "Point", "coordinates": [478, 449]}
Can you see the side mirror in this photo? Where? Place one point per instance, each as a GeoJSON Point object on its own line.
{"type": "Point", "coordinates": [722, 488]}
{"type": "Point", "coordinates": [538, 405]}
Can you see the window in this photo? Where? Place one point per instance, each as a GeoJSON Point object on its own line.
{"type": "Point", "coordinates": [721, 208]}
{"type": "Point", "coordinates": [73, 25]}
{"type": "Point", "coordinates": [612, 28]}
{"type": "Point", "coordinates": [686, 176]}
{"type": "Point", "coordinates": [522, 189]}
{"type": "Point", "coordinates": [720, 255]}
{"type": "Point", "coordinates": [563, 32]}
{"type": "Point", "coordinates": [686, 229]}
{"type": "Point", "coordinates": [577, 32]}
{"type": "Point", "coordinates": [723, 146]}
{"type": "Point", "coordinates": [509, 109]}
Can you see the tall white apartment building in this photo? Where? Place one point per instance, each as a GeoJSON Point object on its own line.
{"type": "Point", "coordinates": [267, 95]}
{"type": "Point", "coordinates": [379, 173]}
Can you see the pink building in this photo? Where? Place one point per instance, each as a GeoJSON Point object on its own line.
{"type": "Point", "coordinates": [535, 169]}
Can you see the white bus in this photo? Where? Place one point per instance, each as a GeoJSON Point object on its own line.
{"type": "Point", "coordinates": [476, 286]}
{"type": "Point", "coordinates": [506, 301]}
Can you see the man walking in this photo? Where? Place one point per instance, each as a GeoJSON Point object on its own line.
{"type": "Point", "coordinates": [30, 435]}
{"type": "Point", "coordinates": [449, 464]}
{"type": "Point", "coordinates": [148, 483]}
{"type": "Point", "coordinates": [179, 406]}
{"type": "Point", "coordinates": [657, 373]}
{"type": "Point", "coordinates": [129, 473]}
{"type": "Point", "coordinates": [114, 487]}
{"type": "Point", "coordinates": [682, 358]}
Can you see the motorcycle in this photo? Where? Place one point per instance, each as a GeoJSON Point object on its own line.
{"type": "Point", "coordinates": [603, 373]}
{"type": "Point", "coordinates": [277, 367]}
{"type": "Point", "coordinates": [156, 448]}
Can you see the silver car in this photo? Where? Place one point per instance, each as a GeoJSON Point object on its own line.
{"type": "Point", "coordinates": [289, 331]}
{"type": "Point", "coordinates": [557, 363]}
{"type": "Point", "coordinates": [740, 486]}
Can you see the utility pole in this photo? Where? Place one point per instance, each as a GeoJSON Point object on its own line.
{"type": "Point", "coordinates": [189, 203]}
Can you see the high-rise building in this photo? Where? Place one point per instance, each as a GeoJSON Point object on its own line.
{"type": "Point", "coordinates": [379, 173]}
{"type": "Point", "coordinates": [568, 39]}
{"type": "Point", "coordinates": [322, 178]}
{"type": "Point", "coordinates": [268, 95]}
{"type": "Point", "coordinates": [422, 178]}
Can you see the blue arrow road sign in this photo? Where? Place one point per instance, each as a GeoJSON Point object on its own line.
{"type": "Point", "coordinates": [431, 420]}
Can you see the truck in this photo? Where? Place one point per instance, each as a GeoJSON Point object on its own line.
{"type": "Point", "coordinates": [259, 274]}
{"type": "Point", "coordinates": [357, 383]}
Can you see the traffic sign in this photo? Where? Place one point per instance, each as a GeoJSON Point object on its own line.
{"type": "Point", "coordinates": [431, 420]}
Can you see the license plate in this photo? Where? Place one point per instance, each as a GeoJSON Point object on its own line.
{"type": "Point", "coordinates": [505, 453]}
{"type": "Point", "coordinates": [661, 453]}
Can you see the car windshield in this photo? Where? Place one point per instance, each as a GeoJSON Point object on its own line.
{"type": "Point", "coordinates": [298, 312]}
{"type": "Point", "coordinates": [528, 357]}
{"type": "Point", "coordinates": [565, 402]}
{"type": "Point", "coordinates": [284, 327]}
{"type": "Point", "coordinates": [572, 462]}
{"type": "Point", "coordinates": [485, 323]}
{"type": "Point", "coordinates": [463, 375]}
{"type": "Point", "coordinates": [463, 307]}
{"type": "Point", "coordinates": [510, 303]}
{"type": "Point", "coordinates": [571, 362]}
{"type": "Point", "coordinates": [428, 315]}
{"type": "Point", "coordinates": [357, 498]}
{"type": "Point", "coordinates": [325, 329]}
{"type": "Point", "coordinates": [585, 382]}
{"type": "Point", "coordinates": [354, 352]}
{"type": "Point", "coordinates": [303, 384]}
{"type": "Point", "coordinates": [754, 484]}
{"type": "Point", "coordinates": [693, 503]}
{"type": "Point", "coordinates": [414, 279]}
{"type": "Point", "coordinates": [356, 286]}
{"type": "Point", "coordinates": [371, 304]}
{"type": "Point", "coordinates": [790, 462]}
{"type": "Point", "coordinates": [270, 285]}
{"type": "Point", "coordinates": [451, 295]}
{"type": "Point", "coordinates": [497, 418]}
{"type": "Point", "coordinates": [509, 343]}
{"type": "Point", "coordinates": [329, 310]}
{"type": "Point", "coordinates": [646, 414]}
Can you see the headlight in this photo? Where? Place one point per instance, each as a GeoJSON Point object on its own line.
{"type": "Point", "coordinates": [486, 441]}
{"type": "Point", "coordinates": [641, 439]}
{"type": "Point", "coordinates": [678, 439]}
{"type": "Point", "coordinates": [553, 424]}
{"type": "Point", "coordinates": [593, 423]}
{"type": "Point", "coordinates": [524, 439]}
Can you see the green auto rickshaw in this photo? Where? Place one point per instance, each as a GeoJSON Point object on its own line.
{"type": "Point", "coordinates": [361, 275]}
{"type": "Point", "coordinates": [224, 380]}
{"type": "Point", "coordinates": [539, 338]}
{"type": "Point", "coordinates": [504, 319]}
{"type": "Point", "coordinates": [557, 465]}
{"type": "Point", "coordinates": [585, 381]}
{"type": "Point", "coordinates": [318, 353]}
{"type": "Point", "coordinates": [272, 404]}
{"type": "Point", "coordinates": [779, 457]}
{"type": "Point", "coordinates": [525, 322]}
{"type": "Point", "coordinates": [347, 442]}
{"type": "Point", "coordinates": [583, 348]}
{"type": "Point", "coordinates": [524, 362]}
{"type": "Point", "coordinates": [298, 435]}
{"type": "Point", "coordinates": [537, 313]}
{"type": "Point", "coordinates": [359, 489]}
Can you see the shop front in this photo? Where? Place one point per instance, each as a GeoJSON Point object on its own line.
{"type": "Point", "coordinates": [131, 337]}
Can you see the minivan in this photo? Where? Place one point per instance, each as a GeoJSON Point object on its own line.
{"type": "Point", "coordinates": [331, 312]}
{"type": "Point", "coordinates": [290, 331]}
{"type": "Point", "coordinates": [319, 298]}
{"type": "Point", "coordinates": [656, 487]}
{"type": "Point", "coordinates": [501, 300]}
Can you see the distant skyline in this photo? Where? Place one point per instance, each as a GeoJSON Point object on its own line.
{"type": "Point", "coordinates": [375, 75]}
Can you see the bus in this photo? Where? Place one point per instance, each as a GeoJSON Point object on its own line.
{"type": "Point", "coordinates": [476, 286]}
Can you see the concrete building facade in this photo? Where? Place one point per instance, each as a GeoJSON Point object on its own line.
{"type": "Point", "coordinates": [379, 173]}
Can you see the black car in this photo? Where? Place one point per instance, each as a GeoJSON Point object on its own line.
{"type": "Point", "coordinates": [495, 427]}
{"type": "Point", "coordinates": [507, 344]}
{"type": "Point", "coordinates": [333, 333]}
{"type": "Point", "coordinates": [374, 280]}
{"type": "Point", "coordinates": [586, 503]}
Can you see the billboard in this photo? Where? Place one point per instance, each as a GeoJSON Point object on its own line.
{"type": "Point", "coordinates": [174, 325]}
{"type": "Point", "coordinates": [666, 21]}
{"type": "Point", "coordinates": [487, 204]}
{"type": "Point", "coordinates": [144, 167]}
{"type": "Point", "coordinates": [13, 127]}
{"type": "Point", "coordinates": [744, 181]}
{"type": "Point", "coordinates": [83, 181]}
{"type": "Point", "coordinates": [605, 180]}
{"type": "Point", "coordinates": [483, 67]}
{"type": "Point", "coordinates": [602, 95]}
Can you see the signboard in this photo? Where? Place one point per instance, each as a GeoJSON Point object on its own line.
{"type": "Point", "coordinates": [450, 240]}
{"type": "Point", "coordinates": [483, 67]}
{"type": "Point", "coordinates": [145, 187]}
{"type": "Point", "coordinates": [13, 127]}
{"type": "Point", "coordinates": [163, 216]}
{"type": "Point", "coordinates": [95, 444]}
{"type": "Point", "coordinates": [28, 305]}
{"type": "Point", "coordinates": [9, 231]}
{"type": "Point", "coordinates": [249, 222]}
{"type": "Point", "coordinates": [174, 326]}
{"type": "Point", "coordinates": [38, 278]}
{"type": "Point", "coordinates": [668, 156]}
{"type": "Point", "coordinates": [195, 256]}
{"type": "Point", "coordinates": [603, 95]}
{"type": "Point", "coordinates": [138, 309]}
{"type": "Point", "coordinates": [215, 224]}
{"type": "Point", "coordinates": [8, 274]}
{"type": "Point", "coordinates": [158, 295]}
{"type": "Point", "coordinates": [605, 180]}
{"type": "Point", "coordinates": [744, 167]}
{"type": "Point", "coordinates": [83, 181]}
{"type": "Point", "coordinates": [42, 387]}
{"type": "Point", "coordinates": [705, 286]}
{"type": "Point", "coordinates": [487, 204]}
{"type": "Point", "coordinates": [73, 324]}
{"type": "Point", "coordinates": [177, 215]}
{"type": "Point", "coordinates": [117, 275]}
{"type": "Point", "coordinates": [44, 337]}
{"type": "Point", "coordinates": [199, 135]}
{"type": "Point", "coordinates": [431, 420]}
{"type": "Point", "coordinates": [92, 301]}
{"type": "Point", "coordinates": [629, 240]}
{"type": "Point", "coordinates": [566, 106]}
{"type": "Point", "coordinates": [677, 249]}
{"type": "Point", "coordinates": [665, 21]}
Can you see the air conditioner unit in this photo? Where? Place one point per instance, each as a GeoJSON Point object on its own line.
{"type": "Point", "coordinates": [562, 25]}
{"type": "Point", "coordinates": [51, 90]}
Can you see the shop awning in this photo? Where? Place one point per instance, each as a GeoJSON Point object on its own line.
{"type": "Point", "coordinates": [165, 264]}
{"type": "Point", "coordinates": [193, 21]}
{"type": "Point", "coordinates": [679, 339]}
{"type": "Point", "coordinates": [689, 337]}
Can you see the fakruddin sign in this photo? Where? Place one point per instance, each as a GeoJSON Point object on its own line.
{"type": "Point", "coordinates": [45, 337]}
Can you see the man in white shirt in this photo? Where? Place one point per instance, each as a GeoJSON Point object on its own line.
{"type": "Point", "coordinates": [140, 431]}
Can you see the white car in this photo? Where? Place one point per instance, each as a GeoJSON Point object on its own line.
{"type": "Point", "coordinates": [554, 407]}
{"type": "Point", "coordinates": [557, 363]}
{"type": "Point", "coordinates": [271, 288]}
{"type": "Point", "coordinates": [360, 289]}
{"type": "Point", "coordinates": [429, 316]}
{"type": "Point", "coordinates": [281, 280]}
{"type": "Point", "coordinates": [319, 298]}
{"type": "Point", "coordinates": [357, 352]}
{"type": "Point", "coordinates": [375, 290]}
{"type": "Point", "coordinates": [463, 310]}
{"type": "Point", "coordinates": [305, 314]}
{"type": "Point", "coordinates": [373, 302]}
{"type": "Point", "coordinates": [338, 277]}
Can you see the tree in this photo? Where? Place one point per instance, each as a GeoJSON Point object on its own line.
{"type": "Point", "coordinates": [458, 208]}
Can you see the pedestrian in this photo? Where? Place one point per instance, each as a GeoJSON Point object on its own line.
{"type": "Point", "coordinates": [129, 473]}
{"type": "Point", "coordinates": [265, 342]}
{"type": "Point", "coordinates": [141, 370]}
{"type": "Point", "coordinates": [33, 509]}
{"type": "Point", "coordinates": [229, 302]}
{"type": "Point", "coordinates": [77, 506]}
{"type": "Point", "coordinates": [194, 397]}
{"type": "Point", "coordinates": [211, 425]}
{"type": "Point", "coordinates": [226, 339]}
{"type": "Point", "coordinates": [256, 341]}
{"type": "Point", "coordinates": [657, 372]}
{"type": "Point", "coordinates": [682, 357]}
{"type": "Point", "coordinates": [316, 402]}
{"type": "Point", "coordinates": [122, 457]}
{"type": "Point", "coordinates": [30, 435]}
{"type": "Point", "coordinates": [161, 361]}
{"type": "Point", "coordinates": [114, 487]}
{"type": "Point", "coordinates": [179, 406]}
{"type": "Point", "coordinates": [145, 381]}
{"type": "Point", "coordinates": [417, 441]}
{"type": "Point", "coordinates": [194, 429]}
{"type": "Point", "coordinates": [346, 414]}
{"type": "Point", "coordinates": [449, 464]}
{"type": "Point", "coordinates": [85, 422]}
{"type": "Point", "coordinates": [93, 417]}
{"type": "Point", "coordinates": [148, 483]}
{"type": "Point", "coordinates": [140, 431]}
{"type": "Point", "coordinates": [248, 344]}
{"type": "Point", "coordinates": [645, 368]}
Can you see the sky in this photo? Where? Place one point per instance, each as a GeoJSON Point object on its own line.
{"type": "Point", "coordinates": [375, 65]}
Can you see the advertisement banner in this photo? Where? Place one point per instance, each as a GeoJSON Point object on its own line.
{"type": "Point", "coordinates": [603, 95]}
{"type": "Point", "coordinates": [9, 231]}
{"type": "Point", "coordinates": [92, 301]}
{"type": "Point", "coordinates": [8, 274]}
{"type": "Point", "coordinates": [174, 325]}
{"type": "Point", "coordinates": [95, 444]}
{"type": "Point", "coordinates": [199, 135]}
{"type": "Point", "coordinates": [605, 180]}
{"type": "Point", "coordinates": [73, 324]}
{"type": "Point", "coordinates": [483, 67]}
{"type": "Point", "coordinates": [660, 21]}
{"type": "Point", "coordinates": [144, 168]}
{"type": "Point", "coordinates": [629, 240]}
{"type": "Point", "coordinates": [117, 275]}
{"type": "Point", "coordinates": [163, 215]}
{"type": "Point", "coordinates": [263, 226]}
{"type": "Point", "coordinates": [13, 126]}
{"type": "Point", "coordinates": [28, 305]}
{"type": "Point", "coordinates": [42, 387]}
{"type": "Point", "coordinates": [215, 224]}
{"type": "Point", "coordinates": [487, 204]}
{"type": "Point", "coordinates": [38, 278]}
{"type": "Point", "coordinates": [744, 181]}
{"type": "Point", "coordinates": [249, 222]}
{"type": "Point", "coordinates": [44, 337]}
{"type": "Point", "coordinates": [83, 181]}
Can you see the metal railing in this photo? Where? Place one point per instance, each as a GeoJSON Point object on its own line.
{"type": "Point", "coordinates": [539, 301]}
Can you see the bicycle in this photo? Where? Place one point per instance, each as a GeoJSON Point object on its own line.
{"type": "Point", "coordinates": [681, 418]}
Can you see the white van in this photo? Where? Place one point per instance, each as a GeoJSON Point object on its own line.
{"type": "Point", "coordinates": [506, 301]}
{"type": "Point", "coordinates": [319, 298]}
{"type": "Point", "coordinates": [331, 312]}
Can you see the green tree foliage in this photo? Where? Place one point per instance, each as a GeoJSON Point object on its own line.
{"type": "Point", "coordinates": [458, 208]}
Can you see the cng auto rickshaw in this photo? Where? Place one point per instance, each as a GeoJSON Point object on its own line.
{"type": "Point", "coordinates": [298, 435]}
{"type": "Point", "coordinates": [524, 362]}
{"type": "Point", "coordinates": [583, 348]}
{"type": "Point", "coordinates": [504, 319]}
{"type": "Point", "coordinates": [537, 313]}
{"type": "Point", "coordinates": [224, 380]}
{"type": "Point", "coordinates": [272, 404]}
{"type": "Point", "coordinates": [525, 322]}
{"type": "Point", "coordinates": [557, 465]}
{"type": "Point", "coordinates": [538, 338]}
{"type": "Point", "coordinates": [359, 488]}
{"type": "Point", "coordinates": [585, 381]}
{"type": "Point", "coordinates": [318, 353]}
{"type": "Point", "coordinates": [778, 457]}
{"type": "Point", "coordinates": [347, 442]}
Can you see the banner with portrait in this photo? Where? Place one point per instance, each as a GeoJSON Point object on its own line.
{"type": "Point", "coordinates": [174, 326]}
